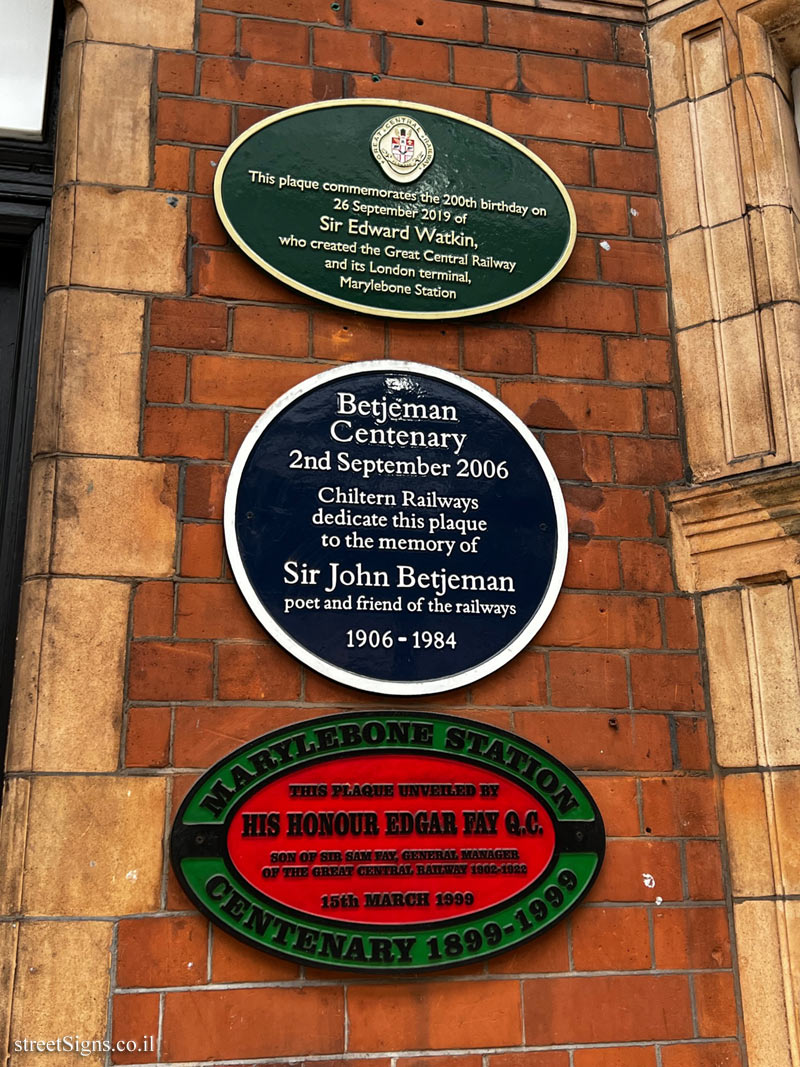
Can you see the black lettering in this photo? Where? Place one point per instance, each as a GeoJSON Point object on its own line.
{"type": "Point", "coordinates": [215, 882]}
{"type": "Point", "coordinates": [454, 737]}
{"type": "Point", "coordinates": [235, 905]}
{"type": "Point", "coordinates": [565, 800]}
{"type": "Point", "coordinates": [257, 919]}
{"type": "Point", "coordinates": [422, 733]}
{"type": "Point", "coordinates": [476, 741]}
{"type": "Point", "coordinates": [217, 799]}
{"type": "Point", "coordinates": [306, 940]}
{"type": "Point", "coordinates": [241, 776]}
{"type": "Point", "coordinates": [351, 734]}
{"type": "Point", "coordinates": [547, 779]}
{"type": "Point", "coordinates": [332, 945]}
{"type": "Point", "coordinates": [398, 732]}
{"type": "Point", "coordinates": [262, 761]}
{"type": "Point", "coordinates": [404, 946]}
{"type": "Point", "coordinates": [282, 749]}
{"type": "Point", "coordinates": [355, 950]}
{"type": "Point", "coordinates": [327, 737]}
{"type": "Point", "coordinates": [381, 950]}
{"type": "Point", "coordinates": [283, 930]}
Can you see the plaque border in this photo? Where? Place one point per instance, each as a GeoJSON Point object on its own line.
{"type": "Point", "coordinates": [351, 678]}
{"type": "Point", "coordinates": [478, 309]}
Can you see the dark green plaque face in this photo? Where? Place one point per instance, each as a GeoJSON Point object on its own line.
{"type": "Point", "coordinates": [394, 209]}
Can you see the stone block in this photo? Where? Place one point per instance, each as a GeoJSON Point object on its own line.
{"type": "Point", "coordinates": [764, 998]}
{"type": "Point", "coordinates": [748, 835]}
{"type": "Point", "coordinates": [107, 833]}
{"type": "Point", "coordinates": [61, 987]}
{"type": "Point", "coordinates": [129, 239]}
{"type": "Point", "coordinates": [95, 501]}
{"type": "Point", "coordinates": [691, 294]}
{"type": "Point", "coordinates": [13, 829]}
{"type": "Point", "coordinates": [729, 677]}
{"type": "Point", "coordinates": [158, 23]}
{"type": "Point", "coordinates": [678, 178]}
{"type": "Point", "coordinates": [70, 697]}
{"type": "Point", "coordinates": [113, 144]}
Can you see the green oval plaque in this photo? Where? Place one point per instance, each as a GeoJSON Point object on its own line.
{"type": "Point", "coordinates": [395, 209]}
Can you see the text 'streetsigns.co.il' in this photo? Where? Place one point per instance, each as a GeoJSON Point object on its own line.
{"type": "Point", "coordinates": [396, 527]}
{"type": "Point", "coordinates": [394, 208]}
{"type": "Point", "coordinates": [384, 841]}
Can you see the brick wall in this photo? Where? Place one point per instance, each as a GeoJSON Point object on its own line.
{"type": "Point", "coordinates": [640, 975]}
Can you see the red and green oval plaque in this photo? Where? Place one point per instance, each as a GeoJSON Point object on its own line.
{"type": "Point", "coordinates": [393, 208]}
{"type": "Point", "coordinates": [381, 841]}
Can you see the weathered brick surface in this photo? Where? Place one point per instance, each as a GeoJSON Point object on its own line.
{"type": "Point", "coordinates": [612, 684]}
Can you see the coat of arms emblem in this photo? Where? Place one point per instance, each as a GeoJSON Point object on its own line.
{"type": "Point", "coordinates": [402, 148]}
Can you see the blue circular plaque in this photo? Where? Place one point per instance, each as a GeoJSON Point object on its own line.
{"type": "Point", "coordinates": [396, 527]}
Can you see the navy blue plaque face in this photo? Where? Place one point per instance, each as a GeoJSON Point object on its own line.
{"type": "Point", "coordinates": [396, 528]}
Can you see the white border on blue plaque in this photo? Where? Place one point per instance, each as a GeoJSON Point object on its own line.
{"type": "Point", "coordinates": [396, 651]}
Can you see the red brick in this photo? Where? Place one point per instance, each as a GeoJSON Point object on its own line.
{"type": "Point", "coordinates": [553, 405]}
{"type": "Point", "coordinates": [347, 51]}
{"type": "Point", "coordinates": [467, 1015]}
{"type": "Point", "coordinates": [616, 799]}
{"type": "Point", "coordinates": [217, 34]}
{"type": "Point", "coordinates": [540, 32]}
{"type": "Point", "coordinates": [245, 116]}
{"type": "Point", "coordinates": [277, 42]}
{"type": "Point", "coordinates": [271, 331]}
{"type": "Point", "coordinates": [239, 425]}
{"type": "Point", "coordinates": [171, 167]}
{"type": "Point", "coordinates": [522, 681]}
{"type": "Point", "coordinates": [608, 512]}
{"type": "Point", "coordinates": [424, 342]}
{"type": "Point", "coordinates": [633, 359]}
{"type": "Point", "coordinates": [205, 167]}
{"type": "Point", "coordinates": [204, 490]}
{"type": "Point", "coordinates": [592, 565]}
{"type": "Point", "coordinates": [588, 680]}
{"type": "Point", "coordinates": [440, 1061]}
{"type": "Point", "coordinates": [161, 670]}
{"type": "Point", "coordinates": [680, 807]}
{"type": "Point", "coordinates": [681, 622]}
{"type": "Point", "coordinates": [470, 102]}
{"type": "Point", "coordinates": [240, 382]}
{"type": "Point", "coordinates": [547, 954]}
{"type": "Point", "coordinates": [716, 1005]}
{"type": "Point", "coordinates": [188, 324]}
{"type": "Point", "coordinates": [559, 119]}
{"type": "Point", "coordinates": [202, 553]}
{"type": "Point", "coordinates": [646, 216]}
{"type": "Point", "coordinates": [152, 609]}
{"type": "Point", "coordinates": [206, 229]}
{"type": "Point", "coordinates": [500, 351]}
{"type": "Point", "coordinates": [627, 863]}
{"type": "Point", "coordinates": [241, 1023]}
{"type": "Point", "coordinates": [630, 45]}
{"type": "Point", "coordinates": [162, 951]}
{"type": "Point", "coordinates": [693, 750]}
{"type": "Point", "coordinates": [487, 67]}
{"type": "Point", "coordinates": [597, 741]}
{"type": "Point", "coordinates": [637, 127]}
{"type": "Point", "coordinates": [637, 262]}
{"type": "Point", "coordinates": [579, 456]}
{"type": "Point", "coordinates": [653, 313]}
{"type": "Point", "coordinates": [569, 355]}
{"type": "Point", "coordinates": [611, 939]}
{"type": "Point", "coordinates": [705, 1055]}
{"type": "Point", "coordinates": [295, 10]}
{"type": "Point", "coordinates": [337, 337]}
{"type": "Point", "coordinates": [647, 462]}
{"type": "Point", "coordinates": [176, 73]}
{"type": "Point", "coordinates": [265, 83]}
{"type": "Point", "coordinates": [547, 76]}
{"type": "Point", "coordinates": [570, 162]}
{"type": "Point", "coordinates": [695, 938]}
{"type": "Point", "coordinates": [626, 169]}
{"type": "Point", "coordinates": [417, 59]}
{"type": "Point", "coordinates": [147, 737]}
{"type": "Point", "coordinates": [214, 610]}
{"type": "Point", "coordinates": [529, 1059]}
{"type": "Point", "coordinates": [646, 567]}
{"type": "Point", "coordinates": [600, 213]}
{"type": "Point", "coordinates": [135, 1014]}
{"type": "Point", "coordinates": [420, 18]}
{"type": "Point", "coordinates": [205, 735]}
{"type": "Point", "coordinates": [662, 412]}
{"type": "Point", "coordinates": [624, 1008]}
{"type": "Point", "coordinates": [630, 1056]}
{"type": "Point", "coordinates": [166, 377]}
{"type": "Point", "coordinates": [173, 431]}
{"type": "Point", "coordinates": [257, 672]}
{"type": "Point", "coordinates": [197, 121]}
{"type": "Point", "coordinates": [231, 961]}
{"type": "Point", "coordinates": [704, 870]}
{"type": "Point", "coordinates": [673, 682]}
{"type": "Point", "coordinates": [582, 263]}
{"type": "Point", "coordinates": [575, 306]}
{"type": "Point", "coordinates": [617, 85]}
{"type": "Point", "coordinates": [232, 274]}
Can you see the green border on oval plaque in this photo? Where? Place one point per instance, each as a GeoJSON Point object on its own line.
{"type": "Point", "coordinates": [465, 220]}
{"type": "Point", "coordinates": [217, 817]}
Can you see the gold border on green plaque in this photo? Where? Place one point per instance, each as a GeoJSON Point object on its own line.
{"type": "Point", "coordinates": [371, 309]}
